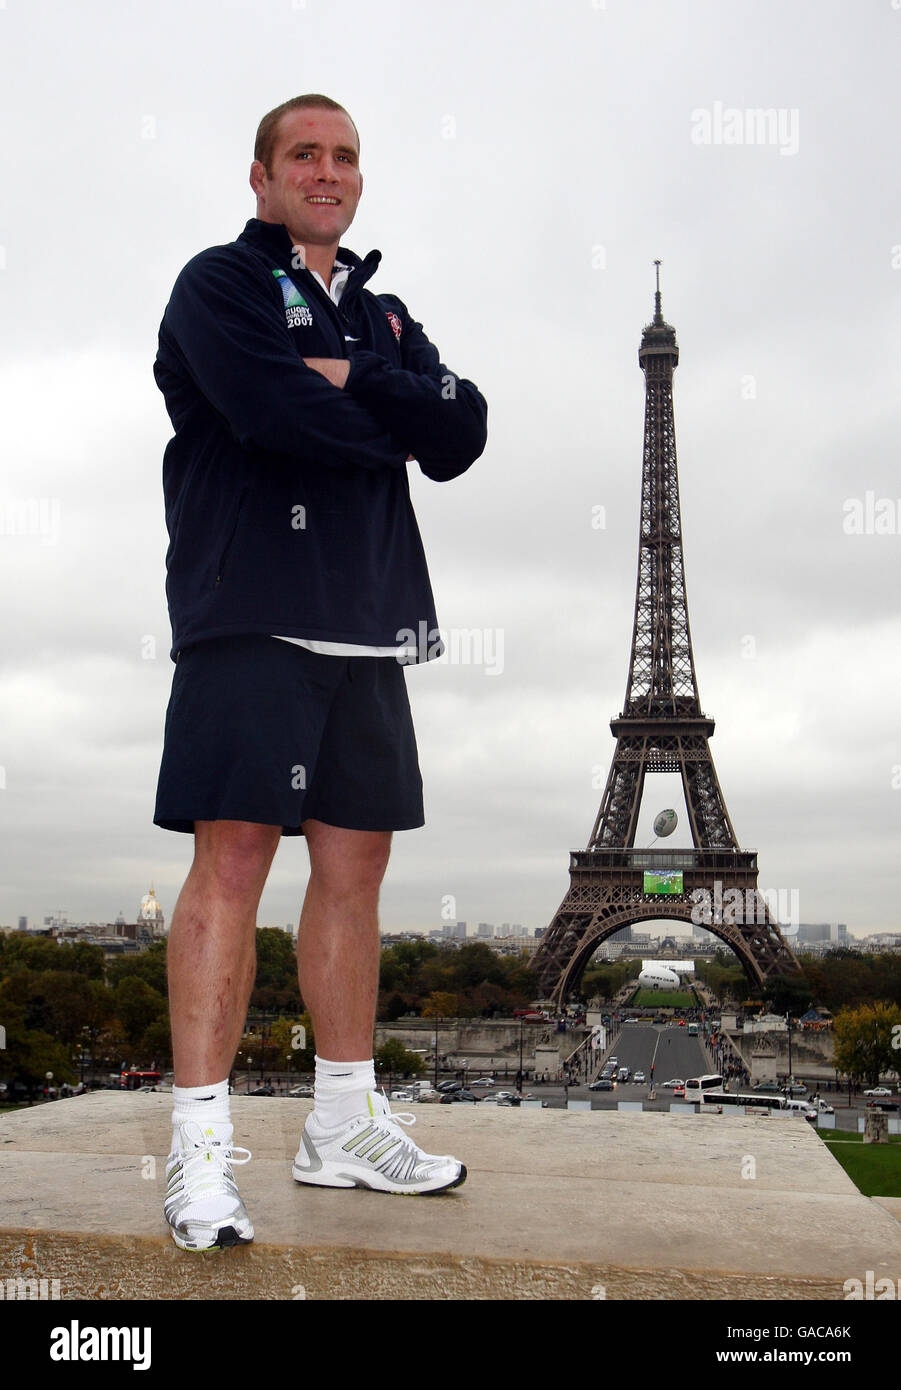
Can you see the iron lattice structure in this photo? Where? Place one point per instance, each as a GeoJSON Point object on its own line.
{"type": "Point", "coordinates": [661, 728]}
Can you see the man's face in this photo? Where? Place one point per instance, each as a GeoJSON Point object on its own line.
{"type": "Point", "coordinates": [315, 184]}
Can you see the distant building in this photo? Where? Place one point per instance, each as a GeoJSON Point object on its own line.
{"type": "Point", "coordinates": [485, 929]}
{"type": "Point", "coordinates": [835, 932]}
{"type": "Point", "coordinates": [150, 915]}
{"type": "Point", "coordinates": [882, 941]}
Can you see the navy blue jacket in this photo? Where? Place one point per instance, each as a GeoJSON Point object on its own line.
{"type": "Point", "coordinates": [287, 498]}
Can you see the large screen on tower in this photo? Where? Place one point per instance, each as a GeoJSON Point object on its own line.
{"type": "Point", "coordinates": [664, 883]}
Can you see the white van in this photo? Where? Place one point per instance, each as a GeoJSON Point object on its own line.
{"type": "Point", "coordinates": [800, 1107]}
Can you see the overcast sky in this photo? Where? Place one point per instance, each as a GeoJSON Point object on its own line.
{"type": "Point", "coordinates": [524, 164]}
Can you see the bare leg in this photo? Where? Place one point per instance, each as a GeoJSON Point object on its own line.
{"type": "Point", "coordinates": [212, 946]}
{"type": "Point", "coordinates": [338, 937]}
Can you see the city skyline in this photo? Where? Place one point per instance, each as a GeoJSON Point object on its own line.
{"type": "Point", "coordinates": [519, 209]}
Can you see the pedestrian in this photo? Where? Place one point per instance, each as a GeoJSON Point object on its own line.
{"type": "Point", "coordinates": [298, 590]}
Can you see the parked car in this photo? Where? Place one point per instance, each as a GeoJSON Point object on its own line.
{"type": "Point", "coordinates": [767, 1088]}
{"type": "Point", "coordinates": [878, 1091]}
{"type": "Point", "coordinates": [462, 1095]}
{"type": "Point", "coordinates": [302, 1090]}
{"type": "Point", "coordinates": [482, 1081]}
{"type": "Point", "coordinates": [263, 1091]}
{"type": "Point", "coordinates": [405, 1096]}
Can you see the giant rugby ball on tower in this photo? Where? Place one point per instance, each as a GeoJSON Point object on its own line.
{"type": "Point", "coordinates": [665, 823]}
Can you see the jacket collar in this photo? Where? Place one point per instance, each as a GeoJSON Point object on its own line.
{"type": "Point", "coordinates": [275, 238]}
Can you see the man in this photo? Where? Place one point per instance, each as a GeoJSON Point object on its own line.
{"type": "Point", "coordinates": [295, 573]}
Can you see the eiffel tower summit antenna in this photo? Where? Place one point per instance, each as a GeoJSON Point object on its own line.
{"type": "Point", "coordinates": [661, 728]}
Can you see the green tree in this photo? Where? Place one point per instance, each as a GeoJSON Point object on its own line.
{"type": "Point", "coordinates": [440, 1004]}
{"type": "Point", "coordinates": [137, 1006]}
{"type": "Point", "coordinates": [286, 1035]}
{"type": "Point", "coordinates": [149, 966]}
{"type": "Point", "coordinates": [392, 1057]}
{"type": "Point", "coordinates": [276, 959]}
{"type": "Point", "coordinates": [30, 1052]}
{"type": "Point", "coordinates": [863, 1041]}
{"type": "Point", "coordinates": [156, 1044]}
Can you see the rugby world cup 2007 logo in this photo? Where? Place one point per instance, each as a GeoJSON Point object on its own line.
{"type": "Point", "coordinates": [297, 311]}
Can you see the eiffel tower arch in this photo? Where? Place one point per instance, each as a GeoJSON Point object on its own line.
{"type": "Point", "coordinates": [661, 728]}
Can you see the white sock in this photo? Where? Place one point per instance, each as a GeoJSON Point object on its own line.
{"type": "Point", "coordinates": [339, 1090]}
{"type": "Point", "coordinates": [207, 1106]}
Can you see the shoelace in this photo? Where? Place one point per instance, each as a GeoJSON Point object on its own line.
{"type": "Point", "coordinates": [207, 1147]}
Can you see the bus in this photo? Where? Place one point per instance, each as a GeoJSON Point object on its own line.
{"type": "Point", "coordinates": [692, 1030]}
{"type": "Point", "coordinates": [697, 1085]}
{"type": "Point", "coordinates": [756, 1101]}
{"type": "Point", "coordinates": [134, 1080]}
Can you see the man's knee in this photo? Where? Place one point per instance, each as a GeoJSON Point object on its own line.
{"type": "Point", "coordinates": [347, 862]}
{"type": "Point", "coordinates": [237, 853]}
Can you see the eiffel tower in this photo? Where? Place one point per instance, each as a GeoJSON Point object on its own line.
{"type": "Point", "coordinates": [662, 728]}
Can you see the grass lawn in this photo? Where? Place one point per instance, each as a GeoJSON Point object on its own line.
{"type": "Point", "coordinates": [874, 1168]}
{"type": "Point", "coordinates": [662, 999]}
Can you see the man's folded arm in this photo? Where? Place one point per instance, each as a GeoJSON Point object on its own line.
{"type": "Point", "coordinates": [237, 348]}
{"type": "Point", "coordinates": [440, 417]}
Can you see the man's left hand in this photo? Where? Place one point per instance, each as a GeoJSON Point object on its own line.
{"type": "Point", "coordinates": [334, 369]}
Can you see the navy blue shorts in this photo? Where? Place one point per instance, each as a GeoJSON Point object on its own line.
{"type": "Point", "coordinates": [262, 730]}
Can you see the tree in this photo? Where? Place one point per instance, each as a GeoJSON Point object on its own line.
{"type": "Point", "coordinates": [156, 1044]}
{"type": "Point", "coordinates": [392, 1056]}
{"type": "Point", "coordinates": [30, 1052]}
{"type": "Point", "coordinates": [863, 1041]}
{"type": "Point", "coordinates": [286, 1035]}
{"type": "Point", "coordinates": [787, 994]}
{"type": "Point", "coordinates": [440, 1004]}
{"type": "Point", "coordinates": [276, 959]}
{"type": "Point", "coordinates": [137, 1006]}
{"type": "Point", "coordinates": [149, 966]}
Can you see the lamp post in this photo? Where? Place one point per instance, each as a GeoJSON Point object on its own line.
{"type": "Point", "coordinates": [249, 1065]}
{"type": "Point", "coordinates": [436, 1054]}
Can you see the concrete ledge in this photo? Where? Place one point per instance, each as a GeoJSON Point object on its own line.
{"type": "Point", "coordinates": [556, 1204]}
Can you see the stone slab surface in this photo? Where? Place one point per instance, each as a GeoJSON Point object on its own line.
{"type": "Point", "coordinates": [557, 1204]}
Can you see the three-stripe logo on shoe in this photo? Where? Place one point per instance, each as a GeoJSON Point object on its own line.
{"type": "Point", "coordinates": [366, 1145]}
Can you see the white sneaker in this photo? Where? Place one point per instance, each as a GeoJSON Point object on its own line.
{"type": "Point", "coordinates": [371, 1150]}
{"type": "Point", "coordinates": [202, 1205]}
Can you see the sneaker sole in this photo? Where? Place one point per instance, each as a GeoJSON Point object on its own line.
{"type": "Point", "coordinates": [343, 1178]}
{"type": "Point", "coordinates": [226, 1237]}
